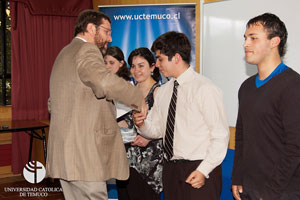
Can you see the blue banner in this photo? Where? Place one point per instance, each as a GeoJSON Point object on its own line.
{"type": "Point", "coordinates": [135, 26]}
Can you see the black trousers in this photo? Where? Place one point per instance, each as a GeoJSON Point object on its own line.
{"type": "Point", "coordinates": [252, 194]}
{"type": "Point", "coordinates": [135, 188]}
{"type": "Point", "coordinates": [249, 194]}
{"type": "Point", "coordinates": [175, 187]}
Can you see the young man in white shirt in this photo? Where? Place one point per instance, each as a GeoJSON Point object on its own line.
{"type": "Point", "coordinates": [199, 135]}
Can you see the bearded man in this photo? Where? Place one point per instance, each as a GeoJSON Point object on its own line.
{"type": "Point", "coordinates": [85, 146]}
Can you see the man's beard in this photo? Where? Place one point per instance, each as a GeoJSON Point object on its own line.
{"type": "Point", "coordinates": [101, 44]}
{"type": "Point", "coordinates": [103, 50]}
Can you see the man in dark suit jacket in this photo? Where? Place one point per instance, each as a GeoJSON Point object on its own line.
{"type": "Point", "coordinates": [85, 146]}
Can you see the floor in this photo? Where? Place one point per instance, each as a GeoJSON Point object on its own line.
{"type": "Point", "coordinates": [10, 189]}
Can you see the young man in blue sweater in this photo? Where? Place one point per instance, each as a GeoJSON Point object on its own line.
{"type": "Point", "coordinates": [267, 156]}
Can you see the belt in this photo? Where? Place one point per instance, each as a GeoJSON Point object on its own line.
{"type": "Point", "coordinates": [180, 161]}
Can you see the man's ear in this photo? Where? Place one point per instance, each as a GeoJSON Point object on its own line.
{"type": "Point", "coordinates": [91, 28]}
{"type": "Point", "coordinates": [177, 57]}
{"type": "Point", "coordinates": [275, 41]}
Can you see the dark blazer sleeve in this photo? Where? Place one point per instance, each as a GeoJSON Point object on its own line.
{"type": "Point", "coordinates": [105, 84]}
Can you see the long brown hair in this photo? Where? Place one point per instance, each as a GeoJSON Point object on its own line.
{"type": "Point", "coordinates": [117, 53]}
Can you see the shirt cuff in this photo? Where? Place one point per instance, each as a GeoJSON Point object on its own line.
{"type": "Point", "coordinates": [142, 130]}
{"type": "Point", "coordinates": [205, 168]}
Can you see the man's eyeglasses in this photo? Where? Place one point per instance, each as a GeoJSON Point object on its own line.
{"type": "Point", "coordinates": [107, 30]}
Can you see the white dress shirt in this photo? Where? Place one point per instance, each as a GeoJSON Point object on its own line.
{"type": "Point", "coordinates": [201, 130]}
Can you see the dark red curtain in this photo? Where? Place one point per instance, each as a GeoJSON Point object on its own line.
{"type": "Point", "coordinates": [40, 29]}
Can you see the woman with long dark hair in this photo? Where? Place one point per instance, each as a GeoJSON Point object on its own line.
{"type": "Point", "coordinates": [144, 156]}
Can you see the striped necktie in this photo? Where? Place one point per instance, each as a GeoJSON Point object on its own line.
{"type": "Point", "coordinates": [168, 145]}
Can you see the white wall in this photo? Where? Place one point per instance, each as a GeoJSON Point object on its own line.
{"type": "Point", "coordinates": [222, 51]}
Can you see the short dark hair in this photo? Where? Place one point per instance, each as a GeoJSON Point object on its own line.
{"type": "Point", "coordinates": [171, 43]}
{"type": "Point", "coordinates": [117, 53]}
{"type": "Point", "coordinates": [274, 26]}
{"type": "Point", "coordinates": [89, 16]}
{"type": "Point", "coordinates": [147, 54]}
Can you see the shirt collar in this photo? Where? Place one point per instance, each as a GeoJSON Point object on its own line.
{"type": "Point", "coordinates": [280, 68]}
{"type": "Point", "coordinates": [185, 76]}
{"type": "Point", "coordinates": [81, 38]}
